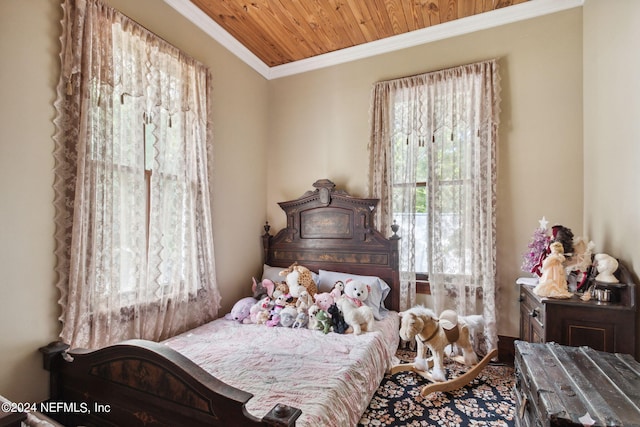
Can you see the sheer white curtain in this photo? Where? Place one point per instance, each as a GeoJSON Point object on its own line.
{"type": "Point", "coordinates": [135, 255]}
{"type": "Point", "coordinates": [433, 166]}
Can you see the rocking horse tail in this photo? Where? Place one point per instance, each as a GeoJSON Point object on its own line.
{"type": "Point", "coordinates": [474, 322]}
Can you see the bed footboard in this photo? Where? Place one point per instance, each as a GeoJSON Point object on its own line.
{"type": "Point", "coordinates": [143, 383]}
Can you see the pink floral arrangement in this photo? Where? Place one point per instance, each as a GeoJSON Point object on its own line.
{"type": "Point", "coordinates": [536, 249]}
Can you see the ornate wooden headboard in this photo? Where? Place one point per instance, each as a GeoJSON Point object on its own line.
{"type": "Point", "coordinates": [330, 230]}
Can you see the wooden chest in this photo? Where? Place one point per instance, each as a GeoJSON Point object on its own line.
{"type": "Point", "coordinates": [559, 385]}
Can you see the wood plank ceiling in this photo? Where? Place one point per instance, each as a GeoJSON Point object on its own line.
{"type": "Point", "coordinates": [283, 31]}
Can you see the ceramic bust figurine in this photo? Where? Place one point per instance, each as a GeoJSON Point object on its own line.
{"type": "Point", "coordinates": [606, 266]}
{"type": "Point", "coordinates": [553, 281]}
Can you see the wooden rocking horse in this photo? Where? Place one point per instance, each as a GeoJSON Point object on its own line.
{"type": "Point", "coordinates": [435, 333]}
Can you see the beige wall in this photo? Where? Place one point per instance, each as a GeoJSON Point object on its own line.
{"type": "Point", "coordinates": [29, 47]}
{"type": "Point", "coordinates": [612, 129]}
{"type": "Point", "coordinates": [28, 309]}
{"type": "Point", "coordinates": [319, 128]}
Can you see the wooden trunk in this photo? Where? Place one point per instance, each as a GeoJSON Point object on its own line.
{"type": "Point", "coordinates": [558, 385]}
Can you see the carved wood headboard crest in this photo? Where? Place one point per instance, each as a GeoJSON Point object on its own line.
{"type": "Point", "coordinates": [332, 230]}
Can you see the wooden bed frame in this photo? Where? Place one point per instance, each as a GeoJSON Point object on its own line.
{"type": "Point", "coordinates": [143, 383]}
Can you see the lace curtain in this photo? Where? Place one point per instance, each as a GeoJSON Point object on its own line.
{"type": "Point", "coordinates": [134, 249]}
{"type": "Point", "coordinates": [440, 129]}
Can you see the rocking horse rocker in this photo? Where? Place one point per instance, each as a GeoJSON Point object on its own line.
{"type": "Point", "coordinates": [435, 333]}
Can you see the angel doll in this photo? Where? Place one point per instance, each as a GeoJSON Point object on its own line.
{"type": "Point", "coordinates": [553, 282]}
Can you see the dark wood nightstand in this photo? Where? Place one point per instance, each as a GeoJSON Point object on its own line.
{"type": "Point", "coordinates": [604, 326]}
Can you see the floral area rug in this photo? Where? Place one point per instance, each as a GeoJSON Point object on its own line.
{"type": "Point", "coordinates": [487, 401]}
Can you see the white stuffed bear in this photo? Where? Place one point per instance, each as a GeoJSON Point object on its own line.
{"type": "Point", "coordinates": [357, 314]}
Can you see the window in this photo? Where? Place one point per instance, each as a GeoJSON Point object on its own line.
{"type": "Point", "coordinates": [135, 255]}
{"type": "Point", "coordinates": [438, 181]}
{"type": "Point", "coordinates": [433, 167]}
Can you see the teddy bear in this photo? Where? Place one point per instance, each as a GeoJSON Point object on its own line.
{"type": "Point", "coordinates": [299, 278]}
{"type": "Point", "coordinates": [241, 310]}
{"type": "Point", "coordinates": [323, 300]}
{"type": "Point", "coordinates": [357, 314]}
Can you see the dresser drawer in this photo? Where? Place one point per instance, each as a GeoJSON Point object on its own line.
{"type": "Point", "coordinates": [532, 316]}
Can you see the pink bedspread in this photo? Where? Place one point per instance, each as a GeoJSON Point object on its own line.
{"type": "Point", "coordinates": [331, 378]}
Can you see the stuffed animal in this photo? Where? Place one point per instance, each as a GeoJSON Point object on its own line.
{"type": "Point", "coordinates": [357, 314]}
{"type": "Point", "coordinates": [299, 278]}
{"type": "Point", "coordinates": [359, 318]}
{"type": "Point", "coordinates": [288, 317]}
{"type": "Point", "coordinates": [259, 311]}
{"type": "Point", "coordinates": [301, 320]}
{"type": "Point", "coordinates": [241, 309]}
{"type": "Point", "coordinates": [262, 317]}
{"type": "Point", "coordinates": [338, 290]}
{"type": "Point", "coordinates": [356, 292]}
{"type": "Point", "coordinates": [323, 321]}
{"type": "Point", "coordinates": [312, 323]}
{"type": "Point", "coordinates": [323, 300]}
{"type": "Point", "coordinates": [281, 289]}
{"type": "Point", "coordinates": [304, 301]}
{"type": "Point", "coordinates": [278, 304]}
{"type": "Point", "coordinates": [262, 289]}
{"type": "Point", "coordinates": [337, 320]}
{"type": "Point", "coordinates": [274, 320]}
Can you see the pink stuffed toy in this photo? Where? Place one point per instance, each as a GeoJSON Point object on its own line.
{"type": "Point", "coordinates": [259, 312]}
{"type": "Point", "coordinates": [338, 290]}
{"type": "Point", "coordinates": [323, 300]}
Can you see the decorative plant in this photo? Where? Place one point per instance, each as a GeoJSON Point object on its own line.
{"type": "Point", "coordinates": [536, 249]}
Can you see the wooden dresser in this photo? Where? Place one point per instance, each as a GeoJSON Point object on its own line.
{"type": "Point", "coordinates": [604, 326]}
{"type": "Point", "coordinates": [560, 385]}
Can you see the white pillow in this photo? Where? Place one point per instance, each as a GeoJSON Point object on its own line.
{"type": "Point", "coordinates": [379, 289]}
{"type": "Point", "coordinates": [273, 274]}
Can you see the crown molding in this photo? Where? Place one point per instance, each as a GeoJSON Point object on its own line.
{"type": "Point", "coordinates": [470, 24]}
{"type": "Point", "coordinates": [194, 14]}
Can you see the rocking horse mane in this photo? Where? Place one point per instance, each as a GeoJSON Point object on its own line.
{"type": "Point", "coordinates": [417, 320]}
{"type": "Point", "coordinates": [420, 310]}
